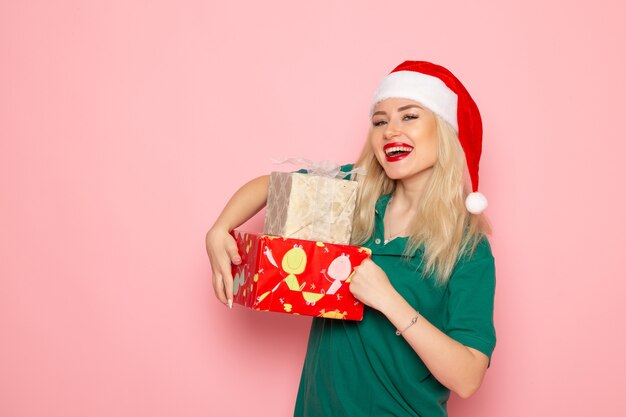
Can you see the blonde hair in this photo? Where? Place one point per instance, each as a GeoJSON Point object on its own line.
{"type": "Point", "coordinates": [443, 227]}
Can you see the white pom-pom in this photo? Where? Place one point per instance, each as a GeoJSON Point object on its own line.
{"type": "Point", "coordinates": [476, 203]}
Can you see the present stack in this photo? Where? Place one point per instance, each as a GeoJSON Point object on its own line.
{"type": "Point", "coordinates": [302, 263]}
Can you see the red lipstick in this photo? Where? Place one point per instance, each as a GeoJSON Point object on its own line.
{"type": "Point", "coordinates": [396, 151]}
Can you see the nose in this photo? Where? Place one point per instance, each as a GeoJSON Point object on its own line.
{"type": "Point", "coordinates": [390, 131]}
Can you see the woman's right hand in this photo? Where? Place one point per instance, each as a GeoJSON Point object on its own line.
{"type": "Point", "coordinates": [222, 250]}
{"type": "Point", "coordinates": [221, 246]}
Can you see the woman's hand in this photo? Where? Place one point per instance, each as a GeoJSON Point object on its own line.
{"type": "Point", "coordinates": [221, 246]}
{"type": "Point", "coordinates": [222, 250]}
{"type": "Point", "coordinates": [371, 286]}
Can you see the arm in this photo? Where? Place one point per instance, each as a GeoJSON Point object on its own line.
{"type": "Point", "coordinates": [220, 245]}
{"type": "Point", "coordinates": [458, 367]}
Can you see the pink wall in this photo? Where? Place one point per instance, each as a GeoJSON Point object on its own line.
{"type": "Point", "coordinates": [126, 125]}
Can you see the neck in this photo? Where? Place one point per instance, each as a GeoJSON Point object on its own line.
{"type": "Point", "coordinates": [409, 191]}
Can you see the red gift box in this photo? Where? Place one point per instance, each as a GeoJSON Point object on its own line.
{"type": "Point", "coordinates": [296, 276]}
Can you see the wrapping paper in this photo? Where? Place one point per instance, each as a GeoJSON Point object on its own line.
{"type": "Point", "coordinates": [310, 207]}
{"type": "Point", "coordinates": [296, 276]}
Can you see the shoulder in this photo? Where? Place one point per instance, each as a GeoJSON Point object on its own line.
{"type": "Point", "coordinates": [347, 168]}
{"type": "Point", "coordinates": [476, 262]}
{"type": "Point", "coordinates": [342, 168]}
{"type": "Point", "coordinates": [477, 249]}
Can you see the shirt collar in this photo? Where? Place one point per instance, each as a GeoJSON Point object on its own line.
{"type": "Point", "coordinates": [381, 205]}
{"type": "Point", "coordinates": [396, 246]}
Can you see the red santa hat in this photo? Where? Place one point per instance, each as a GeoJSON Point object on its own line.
{"type": "Point", "coordinates": [439, 90]}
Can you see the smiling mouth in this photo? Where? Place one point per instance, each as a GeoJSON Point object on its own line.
{"type": "Point", "coordinates": [397, 151]}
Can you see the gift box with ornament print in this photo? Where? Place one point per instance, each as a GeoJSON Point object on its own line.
{"type": "Point", "coordinates": [296, 276]}
{"type": "Point", "coordinates": [310, 207]}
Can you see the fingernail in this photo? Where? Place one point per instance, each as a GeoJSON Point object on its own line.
{"type": "Point", "coordinates": [236, 261]}
{"type": "Point", "coordinates": [230, 303]}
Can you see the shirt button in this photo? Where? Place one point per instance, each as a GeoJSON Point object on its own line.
{"type": "Point", "coordinates": [377, 241]}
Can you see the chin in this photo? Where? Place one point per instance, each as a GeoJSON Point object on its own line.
{"type": "Point", "coordinates": [407, 172]}
{"type": "Point", "coordinates": [394, 174]}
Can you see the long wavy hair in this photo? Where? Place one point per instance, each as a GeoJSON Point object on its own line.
{"type": "Point", "coordinates": [442, 227]}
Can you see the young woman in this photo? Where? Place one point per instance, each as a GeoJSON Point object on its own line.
{"type": "Point", "coordinates": [429, 287]}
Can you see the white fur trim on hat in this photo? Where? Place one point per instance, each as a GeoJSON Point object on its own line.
{"type": "Point", "coordinates": [425, 89]}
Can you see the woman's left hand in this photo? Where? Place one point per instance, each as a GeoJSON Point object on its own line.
{"type": "Point", "coordinates": [371, 286]}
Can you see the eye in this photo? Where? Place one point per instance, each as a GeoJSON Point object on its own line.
{"type": "Point", "coordinates": [410, 116]}
{"type": "Point", "coordinates": [378, 122]}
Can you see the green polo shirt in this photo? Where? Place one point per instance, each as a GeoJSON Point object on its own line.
{"type": "Point", "coordinates": [363, 369]}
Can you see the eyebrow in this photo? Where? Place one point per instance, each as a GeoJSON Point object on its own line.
{"type": "Point", "coordinates": [403, 108]}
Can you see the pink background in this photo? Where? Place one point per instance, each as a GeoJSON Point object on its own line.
{"type": "Point", "coordinates": [126, 125]}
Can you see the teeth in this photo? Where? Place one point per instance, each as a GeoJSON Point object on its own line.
{"type": "Point", "coordinates": [389, 151]}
